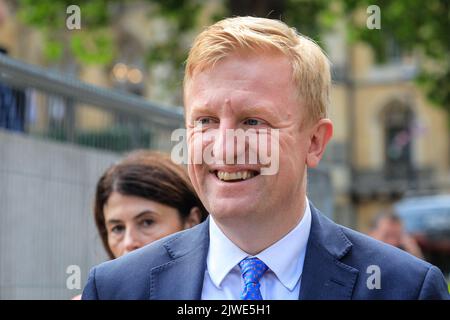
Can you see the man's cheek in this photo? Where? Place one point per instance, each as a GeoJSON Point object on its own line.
{"type": "Point", "coordinates": [269, 152]}
{"type": "Point", "coordinates": [197, 175]}
{"type": "Point", "coordinates": [195, 150]}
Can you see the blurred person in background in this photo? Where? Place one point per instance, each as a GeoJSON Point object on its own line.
{"type": "Point", "coordinates": [143, 198]}
{"type": "Point", "coordinates": [12, 105]}
{"type": "Point", "coordinates": [388, 227]}
{"type": "Point", "coordinates": [12, 101]}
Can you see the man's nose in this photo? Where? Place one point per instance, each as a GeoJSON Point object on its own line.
{"type": "Point", "coordinates": [225, 149]}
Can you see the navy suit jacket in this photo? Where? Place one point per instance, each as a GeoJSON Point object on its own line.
{"type": "Point", "coordinates": [336, 267]}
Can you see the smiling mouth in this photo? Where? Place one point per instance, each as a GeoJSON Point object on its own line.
{"type": "Point", "coordinates": [235, 176]}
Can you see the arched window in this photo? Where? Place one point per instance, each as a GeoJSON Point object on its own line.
{"type": "Point", "coordinates": [398, 119]}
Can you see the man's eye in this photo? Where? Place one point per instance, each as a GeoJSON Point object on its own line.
{"type": "Point", "coordinates": [252, 122]}
{"type": "Point", "coordinates": [203, 121]}
{"type": "Point", "coordinates": [117, 229]}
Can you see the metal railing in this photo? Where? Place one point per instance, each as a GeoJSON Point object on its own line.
{"type": "Point", "coordinates": [70, 110]}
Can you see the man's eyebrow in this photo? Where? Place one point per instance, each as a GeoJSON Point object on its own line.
{"type": "Point", "coordinates": [254, 110]}
{"type": "Point", "coordinates": [201, 109]}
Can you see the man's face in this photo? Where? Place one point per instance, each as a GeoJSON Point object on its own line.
{"type": "Point", "coordinates": [390, 232]}
{"type": "Point", "coordinates": [247, 92]}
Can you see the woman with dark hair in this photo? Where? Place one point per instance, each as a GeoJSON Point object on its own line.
{"type": "Point", "coordinates": [143, 198]}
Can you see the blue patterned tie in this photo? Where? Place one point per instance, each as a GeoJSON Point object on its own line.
{"type": "Point", "coordinates": [252, 270]}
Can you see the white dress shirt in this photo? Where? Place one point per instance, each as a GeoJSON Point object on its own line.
{"type": "Point", "coordinates": [285, 258]}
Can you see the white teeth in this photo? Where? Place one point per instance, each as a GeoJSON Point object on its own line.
{"type": "Point", "coordinates": [240, 175]}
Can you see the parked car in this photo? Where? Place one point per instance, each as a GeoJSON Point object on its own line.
{"type": "Point", "coordinates": [427, 219]}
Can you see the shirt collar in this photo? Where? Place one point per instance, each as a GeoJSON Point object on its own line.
{"type": "Point", "coordinates": [285, 258]}
{"type": "Point", "coordinates": [223, 255]}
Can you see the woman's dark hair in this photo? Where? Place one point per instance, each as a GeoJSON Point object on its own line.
{"type": "Point", "coordinates": [150, 175]}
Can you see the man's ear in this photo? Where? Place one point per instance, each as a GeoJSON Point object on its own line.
{"type": "Point", "coordinates": [193, 218]}
{"type": "Point", "coordinates": [320, 135]}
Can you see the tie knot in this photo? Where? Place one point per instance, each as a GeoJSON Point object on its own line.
{"type": "Point", "coordinates": [252, 270]}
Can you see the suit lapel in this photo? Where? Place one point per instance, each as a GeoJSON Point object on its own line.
{"type": "Point", "coordinates": [324, 276]}
{"type": "Point", "coordinates": [182, 277]}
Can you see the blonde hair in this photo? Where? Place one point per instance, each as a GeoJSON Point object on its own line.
{"type": "Point", "coordinates": [310, 66]}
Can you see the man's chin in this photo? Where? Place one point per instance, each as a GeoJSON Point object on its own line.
{"type": "Point", "coordinates": [232, 209]}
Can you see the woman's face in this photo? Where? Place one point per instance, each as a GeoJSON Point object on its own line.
{"type": "Point", "coordinates": [133, 222]}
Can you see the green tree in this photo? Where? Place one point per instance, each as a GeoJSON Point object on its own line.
{"type": "Point", "coordinates": [417, 26]}
{"type": "Point", "coordinates": [92, 44]}
{"type": "Point", "coordinates": [95, 42]}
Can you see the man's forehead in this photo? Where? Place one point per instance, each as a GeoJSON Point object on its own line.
{"type": "Point", "coordinates": [237, 54]}
{"type": "Point", "coordinates": [241, 73]}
